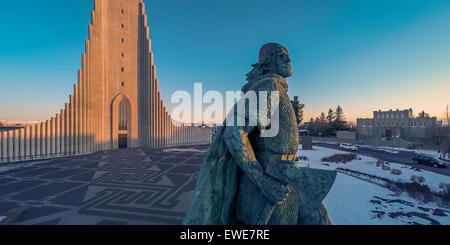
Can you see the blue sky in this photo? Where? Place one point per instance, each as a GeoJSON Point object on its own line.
{"type": "Point", "coordinates": [363, 55]}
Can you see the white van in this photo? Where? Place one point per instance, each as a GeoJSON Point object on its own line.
{"type": "Point", "coordinates": [348, 147]}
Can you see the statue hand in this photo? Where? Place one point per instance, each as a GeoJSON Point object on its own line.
{"type": "Point", "coordinates": [274, 190]}
{"type": "Point", "coordinates": [298, 109]}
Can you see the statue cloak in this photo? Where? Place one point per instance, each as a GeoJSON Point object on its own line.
{"type": "Point", "coordinates": [217, 186]}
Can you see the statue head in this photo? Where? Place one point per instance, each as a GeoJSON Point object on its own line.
{"type": "Point", "coordinates": [273, 59]}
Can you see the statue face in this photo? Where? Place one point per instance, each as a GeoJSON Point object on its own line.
{"type": "Point", "coordinates": [277, 58]}
{"type": "Point", "coordinates": [284, 64]}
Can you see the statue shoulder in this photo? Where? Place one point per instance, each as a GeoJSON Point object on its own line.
{"type": "Point", "coordinates": [268, 83]}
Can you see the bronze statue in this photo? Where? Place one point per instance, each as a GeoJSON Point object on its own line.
{"type": "Point", "coordinates": [250, 179]}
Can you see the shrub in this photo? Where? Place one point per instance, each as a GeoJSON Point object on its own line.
{"type": "Point", "coordinates": [417, 179]}
{"type": "Point", "coordinates": [444, 186]}
{"type": "Point", "coordinates": [380, 163]}
{"type": "Point", "coordinates": [343, 158]}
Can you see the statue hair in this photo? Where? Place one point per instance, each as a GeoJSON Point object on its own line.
{"type": "Point", "coordinates": [259, 69]}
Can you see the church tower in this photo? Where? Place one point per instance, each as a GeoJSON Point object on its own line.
{"type": "Point", "coordinates": [117, 77]}
{"type": "Point", "coordinates": [116, 102]}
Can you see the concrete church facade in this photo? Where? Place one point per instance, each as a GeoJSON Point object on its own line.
{"type": "Point", "coordinates": [116, 102]}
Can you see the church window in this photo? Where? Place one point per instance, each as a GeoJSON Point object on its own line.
{"type": "Point", "coordinates": [123, 116]}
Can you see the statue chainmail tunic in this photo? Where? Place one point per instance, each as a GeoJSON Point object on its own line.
{"type": "Point", "coordinates": [251, 201]}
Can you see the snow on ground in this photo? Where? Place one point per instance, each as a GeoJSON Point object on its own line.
{"type": "Point", "coordinates": [395, 150]}
{"type": "Point", "coordinates": [352, 201]}
{"type": "Point", "coordinates": [185, 150]}
{"type": "Point", "coordinates": [368, 165]}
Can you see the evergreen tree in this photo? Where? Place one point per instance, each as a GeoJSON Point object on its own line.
{"type": "Point", "coordinates": [423, 114]}
{"type": "Point", "coordinates": [339, 118]}
{"type": "Point", "coordinates": [330, 117]}
{"type": "Point", "coordinates": [447, 116]}
{"type": "Point", "coordinates": [323, 118]}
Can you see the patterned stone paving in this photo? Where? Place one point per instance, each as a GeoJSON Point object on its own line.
{"type": "Point", "coordinates": [124, 187]}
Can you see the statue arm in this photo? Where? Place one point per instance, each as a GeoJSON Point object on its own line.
{"type": "Point", "coordinates": [236, 139]}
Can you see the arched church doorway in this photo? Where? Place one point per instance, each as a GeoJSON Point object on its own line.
{"type": "Point", "coordinates": [121, 134]}
{"type": "Point", "coordinates": [123, 126]}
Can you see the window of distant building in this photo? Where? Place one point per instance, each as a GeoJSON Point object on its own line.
{"type": "Point", "coordinates": [123, 69]}
{"type": "Point", "coordinates": [123, 84]}
{"type": "Point", "coordinates": [123, 26]}
{"type": "Point", "coordinates": [123, 11]}
{"type": "Point", "coordinates": [123, 55]}
{"type": "Point", "coordinates": [123, 40]}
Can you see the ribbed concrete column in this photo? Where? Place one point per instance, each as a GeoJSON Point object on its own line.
{"type": "Point", "coordinates": [76, 120]}
{"type": "Point", "coordinates": [170, 132]}
{"type": "Point", "coordinates": [196, 135]}
{"type": "Point", "coordinates": [87, 111]}
{"type": "Point", "coordinates": [42, 139]}
{"type": "Point", "coordinates": [186, 136]}
{"type": "Point", "coordinates": [21, 143]}
{"type": "Point", "coordinates": [38, 137]}
{"type": "Point", "coordinates": [52, 137]}
{"type": "Point", "coordinates": [63, 132]}
{"type": "Point", "coordinates": [179, 135]}
{"type": "Point", "coordinates": [33, 141]}
{"type": "Point", "coordinates": [27, 144]}
{"type": "Point", "coordinates": [58, 135]}
{"type": "Point", "coordinates": [10, 144]}
{"type": "Point", "coordinates": [84, 103]}
{"type": "Point", "coordinates": [71, 125]}
{"type": "Point", "coordinates": [182, 134]}
{"type": "Point", "coordinates": [16, 144]}
{"type": "Point", "coordinates": [3, 147]}
{"type": "Point", "coordinates": [67, 130]}
{"type": "Point", "coordinates": [47, 139]}
{"type": "Point", "coordinates": [164, 125]}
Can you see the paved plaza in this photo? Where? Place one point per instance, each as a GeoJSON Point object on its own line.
{"type": "Point", "coordinates": [121, 187]}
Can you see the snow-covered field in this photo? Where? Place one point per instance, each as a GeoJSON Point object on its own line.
{"type": "Point", "coordinates": [352, 201]}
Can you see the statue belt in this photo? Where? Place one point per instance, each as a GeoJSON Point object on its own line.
{"type": "Point", "coordinates": [282, 157]}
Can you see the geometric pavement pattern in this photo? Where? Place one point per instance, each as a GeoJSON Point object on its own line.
{"type": "Point", "coordinates": [120, 187]}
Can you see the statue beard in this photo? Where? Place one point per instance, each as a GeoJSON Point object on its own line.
{"type": "Point", "coordinates": [285, 70]}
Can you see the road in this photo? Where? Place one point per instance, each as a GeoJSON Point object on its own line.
{"type": "Point", "coordinates": [403, 157]}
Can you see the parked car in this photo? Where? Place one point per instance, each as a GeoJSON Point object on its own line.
{"type": "Point", "coordinates": [348, 147]}
{"type": "Point", "coordinates": [429, 160]}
